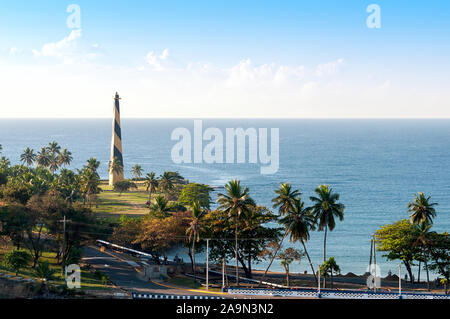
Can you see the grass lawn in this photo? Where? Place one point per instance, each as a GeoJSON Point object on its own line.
{"type": "Point", "coordinates": [88, 280]}
{"type": "Point", "coordinates": [111, 203]}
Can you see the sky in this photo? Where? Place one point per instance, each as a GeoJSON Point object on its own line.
{"type": "Point", "coordinates": [201, 59]}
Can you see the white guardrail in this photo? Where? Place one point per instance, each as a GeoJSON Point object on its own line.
{"type": "Point", "coordinates": [330, 294]}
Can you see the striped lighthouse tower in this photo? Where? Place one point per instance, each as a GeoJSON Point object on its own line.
{"type": "Point", "coordinates": [116, 143]}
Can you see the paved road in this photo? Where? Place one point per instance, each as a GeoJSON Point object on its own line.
{"type": "Point", "coordinates": [123, 274]}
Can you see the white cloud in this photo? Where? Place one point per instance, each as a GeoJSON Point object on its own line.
{"type": "Point", "coordinates": [201, 89]}
{"type": "Point", "coordinates": [15, 51]}
{"type": "Point", "coordinates": [156, 61]}
{"type": "Point", "coordinates": [70, 49]}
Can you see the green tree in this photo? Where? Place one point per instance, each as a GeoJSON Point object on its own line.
{"type": "Point", "coordinates": [235, 202]}
{"type": "Point", "coordinates": [54, 148]}
{"type": "Point", "coordinates": [64, 158]}
{"type": "Point", "coordinates": [193, 231]}
{"type": "Point", "coordinates": [115, 166]}
{"type": "Point", "coordinates": [166, 183]}
{"type": "Point", "coordinates": [423, 241]}
{"type": "Point", "coordinates": [43, 158]}
{"type": "Point", "coordinates": [194, 192]}
{"type": "Point", "coordinates": [439, 250]}
{"type": "Point", "coordinates": [123, 186]}
{"type": "Point", "coordinates": [398, 240]}
{"type": "Point", "coordinates": [288, 256]}
{"type": "Point", "coordinates": [160, 208]}
{"type": "Point", "coordinates": [137, 171]}
{"type": "Point", "coordinates": [89, 181]}
{"type": "Point", "coordinates": [43, 271]}
{"type": "Point", "coordinates": [329, 268]}
{"type": "Point", "coordinates": [151, 183]}
{"type": "Point", "coordinates": [16, 260]}
{"type": "Point", "coordinates": [325, 209]}
{"type": "Point", "coordinates": [284, 201]}
{"type": "Point", "coordinates": [422, 211]}
{"type": "Point", "coordinates": [297, 224]}
{"type": "Point", "coordinates": [28, 157]}
{"type": "Point", "coordinates": [92, 165]}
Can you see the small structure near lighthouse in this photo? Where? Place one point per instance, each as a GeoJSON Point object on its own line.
{"type": "Point", "coordinates": [116, 159]}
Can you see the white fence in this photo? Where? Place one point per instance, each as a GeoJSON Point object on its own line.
{"type": "Point", "coordinates": [330, 294]}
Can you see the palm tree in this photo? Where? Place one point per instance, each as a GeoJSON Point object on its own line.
{"type": "Point", "coordinates": [297, 224]}
{"type": "Point", "coordinates": [115, 166]}
{"type": "Point", "coordinates": [160, 207]}
{"type": "Point", "coordinates": [136, 171]}
{"type": "Point", "coordinates": [151, 183]}
{"type": "Point", "coordinates": [53, 163]}
{"type": "Point", "coordinates": [193, 231]}
{"type": "Point", "coordinates": [54, 148]}
{"type": "Point", "coordinates": [89, 181]}
{"type": "Point", "coordinates": [423, 240]}
{"type": "Point", "coordinates": [65, 157]}
{"type": "Point", "coordinates": [28, 157]}
{"type": "Point", "coordinates": [93, 164]}
{"type": "Point", "coordinates": [328, 267]}
{"type": "Point", "coordinates": [325, 209]}
{"type": "Point", "coordinates": [285, 202]}
{"type": "Point", "coordinates": [422, 210]}
{"type": "Point", "coordinates": [43, 158]}
{"type": "Point", "coordinates": [166, 181]}
{"type": "Point", "coordinates": [235, 202]}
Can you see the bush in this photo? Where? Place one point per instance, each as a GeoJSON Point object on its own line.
{"type": "Point", "coordinates": [43, 271]}
{"type": "Point", "coordinates": [74, 256]}
{"type": "Point", "coordinates": [16, 260]}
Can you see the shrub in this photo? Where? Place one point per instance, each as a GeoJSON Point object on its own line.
{"type": "Point", "coordinates": [16, 260]}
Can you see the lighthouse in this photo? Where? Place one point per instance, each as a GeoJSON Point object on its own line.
{"type": "Point", "coordinates": [116, 144]}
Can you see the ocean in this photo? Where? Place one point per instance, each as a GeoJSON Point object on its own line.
{"type": "Point", "coordinates": [375, 165]}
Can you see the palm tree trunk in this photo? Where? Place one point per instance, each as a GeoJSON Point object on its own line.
{"type": "Point", "coordinates": [428, 275]}
{"type": "Point", "coordinates": [325, 253]}
{"type": "Point", "coordinates": [418, 274]}
{"type": "Point", "coordinates": [309, 260]}
{"type": "Point", "coordinates": [236, 250]}
{"type": "Point", "coordinates": [287, 276]}
{"type": "Point", "coordinates": [273, 258]}
{"type": "Point", "coordinates": [193, 257]}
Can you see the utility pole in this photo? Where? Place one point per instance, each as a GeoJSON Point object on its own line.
{"type": "Point", "coordinates": [223, 273]}
{"type": "Point", "coordinates": [400, 281]}
{"type": "Point", "coordinates": [318, 286]}
{"type": "Point", "coordinates": [207, 264]}
{"type": "Point", "coordinates": [64, 221]}
{"type": "Point", "coordinates": [375, 263]}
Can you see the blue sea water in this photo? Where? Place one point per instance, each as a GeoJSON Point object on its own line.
{"type": "Point", "coordinates": [375, 165]}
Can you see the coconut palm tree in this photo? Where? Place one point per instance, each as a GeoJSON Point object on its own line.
{"type": "Point", "coordinates": [53, 163]}
{"type": "Point", "coordinates": [325, 209]}
{"type": "Point", "coordinates": [64, 158]}
{"type": "Point", "coordinates": [54, 148]}
{"type": "Point", "coordinates": [116, 166]}
{"type": "Point", "coordinates": [298, 224]}
{"type": "Point", "coordinates": [136, 171]}
{"type": "Point", "coordinates": [284, 201]}
{"type": "Point", "coordinates": [328, 268]}
{"type": "Point", "coordinates": [423, 240]}
{"type": "Point", "coordinates": [193, 231]}
{"type": "Point", "coordinates": [28, 157]}
{"type": "Point", "coordinates": [151, 183]}
{"type": "Point", "coordinates": [160, 207]}
{"type": "Point", "coordinates": [166, 182]}
{"type": "Point", "coordinates": [235, 202]}
{"type": "Point", "coordinates": [422, 211]}
{"type": "Point", "coordinates": [43, 158]}
{"type": "Point", "coordinates": [92, 164]}
{"type": "Point", "coordinates": [89, 182]}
